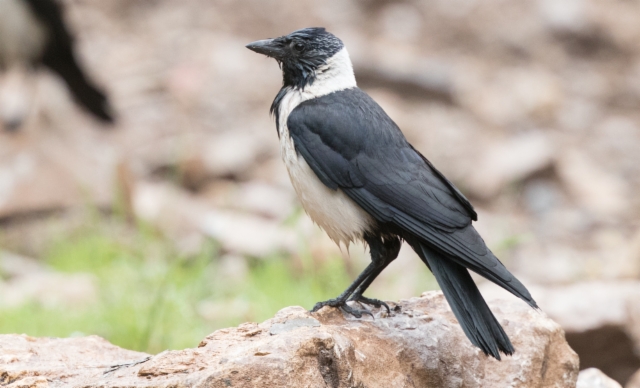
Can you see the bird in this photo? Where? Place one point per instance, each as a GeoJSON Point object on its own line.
{"type": "Point", "coordinates": [360, 180]}
{"type": "Point", "coordinates": [33, 34]}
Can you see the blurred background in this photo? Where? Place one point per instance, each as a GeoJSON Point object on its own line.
{"type": "Point", "coordinates": [181, 219]}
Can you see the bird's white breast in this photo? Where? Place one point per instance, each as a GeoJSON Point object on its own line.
{"type": "Point", "coordinates": [336, 213]}
{"type": "Point", "coordinates": [22, 36]}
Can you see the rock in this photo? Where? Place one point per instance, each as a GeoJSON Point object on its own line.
{"type": "Point", "coordinates": [49, 289]}
{"type": "Point", "coordinates": [634, 381]}
{"type": "Point", "coordinates": [38, 362]}
{"type": "Point", "coordinates": [513, 95]}
{"type": "Point", "coordinates": [601, 321]}
{"type": "Point", "coordinates": [588, 305]}
{"type": "Point", "coordinates": [597, 253]}
{"type": "Point", "coordinates": [509, 161]}
{"type": "Point", "coordinates": [13, 265]}
{"type": "Point", "coordinates": [279, 328]}
{"type": "Point", "coordinates": [246, 233]}
{"type": "Point", "coordinates": [40, 173]}
{"type": "Point", "coordinates": [232, 153]}
{"type": "Point", "coordinates": [428, 83]}
{"type": "Point", "coordinates": [419, 345]}
{"type": "Point", "coordinates": [29, 281]}
{"type": "Point", "coordinates": [181, 215]}
{"type": "Point", "coordinates": [401, 22]}
{"type": "Point", "coordinates": [564, 15]}
{"type": "Point", "coordinates": [594, 378]}
{"type": "Point", "coordinates": [255, 197]}
{"type": "Point", "coordinates": [16, 97]}
{"type": "Point", "coordinates": [600, 192]}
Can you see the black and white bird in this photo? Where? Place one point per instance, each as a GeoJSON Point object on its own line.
{"type": "Point", "coordinates": [359, 179]}
{"type": "Point", "coordinates": [33, 34]}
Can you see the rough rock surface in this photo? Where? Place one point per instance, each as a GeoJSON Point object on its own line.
{"type": "Point", "coordinates": [419, 345]}
{"type": "Point", "coordinates": [634, 381]}
{"type": "Point", "coordinates": [594, 378]}
{"type": "Point", "coordinates": [40, 362]}
{"type": "Point", "coordinates": [601, 320]}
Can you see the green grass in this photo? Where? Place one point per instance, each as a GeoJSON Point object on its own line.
{"type": "Point", "coordinates": [152, 298]}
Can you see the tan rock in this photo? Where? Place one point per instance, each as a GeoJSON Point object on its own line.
{"type": "Point", "coordinates": [52, 171]}
{"type": "Point", "coordinates": [594, 378]}
{"type": "Point", "coordinates": [27, 280]}
{"type": "Point", "coordinates": [419, 345]}
{"type": "Point", "coordinates": [601, 320]}
{"type": "Point", "coordinates": [180, 214]}
{"type": "Point", "coordinates": [601, 192]}
{"type": "Point", "coordinates": [40, 362]}
{"type": "Point", "coordinates": [232, 153]}
{"type": "Point", "coordinates": [269, 201]}
{"type": "Point", "coordinates": [589, 305]}
{"type": "Point", "coordinates": [510, 160]}
{"type": "Point", "coordinates": [49, 288]}
{"type": "Point", "coordinates": [634, 381]}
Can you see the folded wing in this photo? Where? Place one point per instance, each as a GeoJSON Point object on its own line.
{"type": "Point", "coordinates": [351, 144]}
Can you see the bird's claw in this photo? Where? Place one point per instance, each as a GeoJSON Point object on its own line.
{"type": "Point", "coordinates": [341, 304]}
{"type": "Point", "coordinates": [355, 312]}
{"type": "Point", "coordinates": [372, 302]}
{"type": "Point", "coordinates": [330, 303]}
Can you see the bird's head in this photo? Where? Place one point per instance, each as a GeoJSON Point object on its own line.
{"type": "Point", "coordinates": [302, 54]}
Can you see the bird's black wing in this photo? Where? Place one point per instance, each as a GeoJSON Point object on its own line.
{"type": "Point", "coordinates": [58, 56]}
{"type": "Point", "coordinates": [351, 144]}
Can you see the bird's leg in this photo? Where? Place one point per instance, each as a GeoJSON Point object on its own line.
{"type": "Point", "coordinates": [341, 300]}
{"type": "Point", "coordinates": [358, 297]}
{"type": "Point", "coordinates": [382, 254]}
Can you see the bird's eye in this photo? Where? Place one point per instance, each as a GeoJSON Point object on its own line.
{"type": "Point", "coordinates": [299, 47]}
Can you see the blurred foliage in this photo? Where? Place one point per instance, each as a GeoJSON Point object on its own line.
{"type": "Point", "coordinates": [152, 298]}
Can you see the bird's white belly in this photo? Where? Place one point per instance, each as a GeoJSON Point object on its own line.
{"type": "Point", "coordinates": [336, 213]}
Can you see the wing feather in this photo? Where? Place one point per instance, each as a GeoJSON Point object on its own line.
{"type": "Point", "coordinates": [349, 142]}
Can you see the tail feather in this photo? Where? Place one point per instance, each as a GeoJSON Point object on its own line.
{"type": "Point", "coordinates": [476, 319]}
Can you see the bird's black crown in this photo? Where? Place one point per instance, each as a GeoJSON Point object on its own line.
{"type": "Point", "coordinates": [300, 54]}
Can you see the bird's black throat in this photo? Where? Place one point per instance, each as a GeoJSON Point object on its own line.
{"type": "Point", "coordinates": [275, 106]}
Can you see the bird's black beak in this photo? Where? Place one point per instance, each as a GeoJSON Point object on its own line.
{"type": "Point", "coordinates": [268, 47]}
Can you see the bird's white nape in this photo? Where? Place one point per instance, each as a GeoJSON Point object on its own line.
{"type": "Point", "coordinates": [335, 75]}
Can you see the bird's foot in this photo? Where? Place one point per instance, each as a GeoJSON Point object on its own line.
{"type": "Point", "coordinates": [371, 302]}
{"type": "Point", "coordinates": [342, 304]}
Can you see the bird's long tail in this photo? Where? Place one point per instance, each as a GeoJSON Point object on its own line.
{"type": "Point", "coordinates": [468, 305]}
{"type": "Point", "coordinates": [83, 91]}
